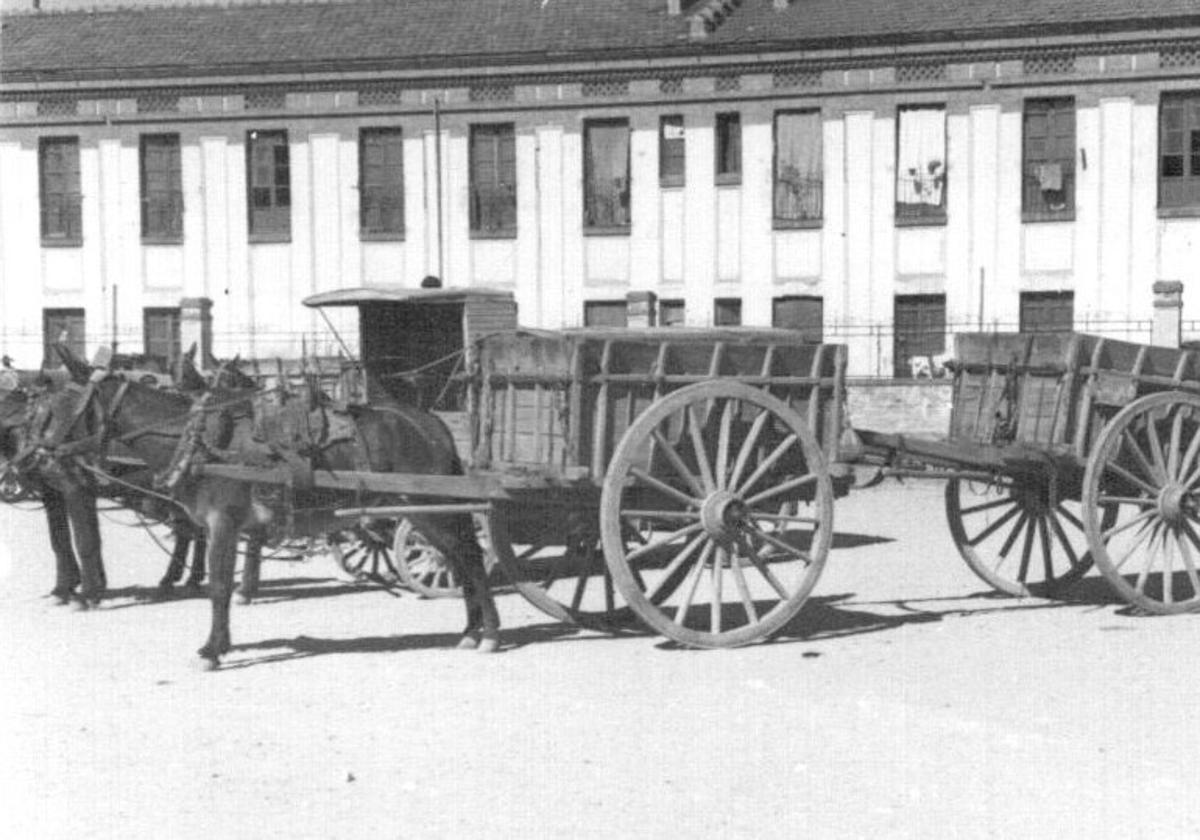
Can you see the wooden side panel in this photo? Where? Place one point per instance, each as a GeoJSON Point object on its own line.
{"type": "Point", "coordinates": [559, 403]}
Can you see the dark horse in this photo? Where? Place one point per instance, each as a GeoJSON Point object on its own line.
{"type": "Point", "coordinates": [390, 439]}
{"type": "Point", "coordinates": [69, 498]}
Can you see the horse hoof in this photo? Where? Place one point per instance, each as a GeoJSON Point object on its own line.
{"type": "Point", "coordinates": [81, 604]}
{"type": "Point", "coordinates": [244, 599]}
{"type": "Point", "coordinates": [468, 643]}
{"type": "Point", "coordinates": [489, 646]}
{"type": "Point", "coordinates": [209, 663]}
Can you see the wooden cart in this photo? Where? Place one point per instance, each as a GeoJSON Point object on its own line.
{"type": "Point", "coordinates": [1068, 450]}
{"type": "Point", "coordinates": [685, 477]}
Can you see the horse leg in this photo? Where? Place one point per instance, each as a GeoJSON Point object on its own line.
{"type": "Point", "coordinates": [183, 541]}
{"type": "Point", "coordinates": [250, 571]}
{"type": "Point", "coordinates": [222, 558]}
{"type": "Point", "coordinates": [85, 527]}
{"type": "Point", "coordinates": [66, 576]}
{"type": "Point", "coordinates": [199, 550]}
{"type": "Point", "coordinates": [455, 538]}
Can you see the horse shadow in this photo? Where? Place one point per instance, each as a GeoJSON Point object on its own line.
{"type": "Point", "coordinates": [275, 590]}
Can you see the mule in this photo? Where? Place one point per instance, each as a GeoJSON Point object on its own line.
{"type": "Point", "coordinates": [393, 438]}
{"type": "Point", "coordinates": [69, 499]}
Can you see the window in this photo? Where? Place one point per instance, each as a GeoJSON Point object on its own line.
{"type": "Point", "coordinates": [729, 148]}
{"type": "Point", "coordinates": [804, 313]}
{"type": "Point", "coordinates": [494, 180]}
{"type": "Point", "coordinates": [268, 177]}
{"type": "Point", "coordinates": [381, 183]}
{"type": "Point", "coordinates": [58, 184]}
{"type": "Point", "coordinates": [798, 178]}
{"type": "Point", "coordinates": [606, 176]}
{"type": "Point", "coordinates": [160, 330]}
{"type": "Point", "coordinates": [162, 188]}
{"type": "Point", "coordinates": [727, 312]}
{"type": "Point", "coordinates": [920, 333]}
{"type": "Point", "coordinates": [1048, 168]}
{"type": "Point", "coordinates": [1179, 151]}
{"type": "Point", "coordinates": [671, 313]}
{"type": "Point", "coordinates": [605, 313]}
{"type": "Point", "coordinates": [1052, 312]}
{"type": "Point", "coordinates": [671, 157]}
{"type": "Point", "coordinates": [921, 165]}
{"type": "Point", "coordinates": [64, 326]}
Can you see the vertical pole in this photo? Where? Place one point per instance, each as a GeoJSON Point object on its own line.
{"type": "Point", "coordinates": [114, 318]}
{"type": "Point", "coordinates": [437, 162]}
{"type": "Point", "coordinates": [981, 286]}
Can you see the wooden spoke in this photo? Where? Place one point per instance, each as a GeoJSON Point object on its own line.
{"type": "Point", "coordinates": [1189, 563]}
{"type": "Point", "coordinates": [1156, 448]}
{"type": "Point", "coordinates": [723, 444]}
{"type": "Point", "coordinates": [766, 464]}
{"type": "Point", "coordinates": [995, 503]}
{"type": "Point", "coordinates": [747, 448]}
{"type": "Point", "coordinates": [695, 429]}
{"type": "Point", "coordinates": [765, 571]}
{"type": "Point", "coordinates": [696, 573]}
{"type": "Point", "coordinates": [739, 578]}
{"type": "Point", "coordinates": [1140, 501]}
{"type": "Point", "coordinates": [1168, 572]}
{"type": "Point", "coordinates": [1072, 557]}
{"type": "Point", "coordinates": [778, 489]}
{"type": "Point", "coordinates": [1012, 537]}
{"type": "Point", "coordinates": [781, 545]}
{"type": "Point", "coordinates": [1129, 443]}
{"type": "Point", "coordinates": [676, 564]}
{"type": "Point", "coordinates": [1173, 454]}
{"type": "Point", "coordinates": [783, 517]}
{"type": "Point", "coordinates": [1189, 457]}
{"type": "Point", "coordinates": [1070, 517]}
{"type": "Point", "coordinates": [996, 525]}
{"type": "Point", "coordinates": [1141, 518]}
{"type": "Point", "coordinates": [1144, 535]}
{"type": "Point", "coordinates": [718, 576]}
{"type": "Point", "coordinates": [1027, 550]}
{"type": "Point", "coordinates": [685, 515]}
{"type": "Point", "coordinates": [1144, 573]}
{"type": "Point", "coordinates": [1047, 556]}
{"type": "Point", "coordinates": [677, 463]}
{"type": "Point", "coordinates": [1133, 479]}
{"type": "Point", "coordinates": [665, 489]}
{"type": "Point", "coordinates": [670, 538]}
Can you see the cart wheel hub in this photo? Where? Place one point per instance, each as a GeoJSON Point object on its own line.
{"type": "Point", "coordinates": [721, 514]}
{"type": "Point", "coordinates": [1174, 502]}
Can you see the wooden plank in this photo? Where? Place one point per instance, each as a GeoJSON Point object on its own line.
{"type": "Point", "coordinates": [447, 486]}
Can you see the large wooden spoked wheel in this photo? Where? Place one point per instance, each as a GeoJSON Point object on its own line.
{"type": "Point", "coordinates": [364, 551]}
{"type": "Point", "coordinates": [1146, 466]}
{"type": "Point", "coordinates": [706, 472]}
{"type": "Point", "coordinates": [561, 570]}
{"type": "Point", "coordinates": [1017, 534]}
{"type": "Point", "coordinates": [420, 567]}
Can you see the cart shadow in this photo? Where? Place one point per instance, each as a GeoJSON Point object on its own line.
{"type": "Point", "coordinates": [272, 591]}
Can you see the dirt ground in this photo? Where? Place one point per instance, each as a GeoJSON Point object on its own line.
{"type": "Point", "coordinates": [905, 701]}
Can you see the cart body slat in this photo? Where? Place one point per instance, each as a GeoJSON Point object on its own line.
{"type": "Point", "coordinates": [557, 403]}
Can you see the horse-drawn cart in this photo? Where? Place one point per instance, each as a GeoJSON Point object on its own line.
{"type": "Point", "coordinates": [1067, 450]}
{"type": "Point", "coordinates": [686, 475]}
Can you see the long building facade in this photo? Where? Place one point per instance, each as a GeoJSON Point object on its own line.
{"type": "Point", "coordinates": [878, 176]}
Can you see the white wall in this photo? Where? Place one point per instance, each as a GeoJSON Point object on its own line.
{"type": "Point", "coordinates": [696, 242]}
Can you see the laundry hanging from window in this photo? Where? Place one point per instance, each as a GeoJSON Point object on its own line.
{"type": "Point", "coordinates": [921, 162]}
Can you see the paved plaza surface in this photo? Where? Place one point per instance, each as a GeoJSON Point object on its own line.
{"type": "Point", "coordinates": [904, 701]}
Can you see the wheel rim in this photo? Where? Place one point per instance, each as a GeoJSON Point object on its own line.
{"type": "Point", "coordinates": [562, 574]}
{"type": "Point", "coordinates": [420, 566]}
{"type": "Point", "coordinates": [1018, 534]}
{"type": "Point", "coordinates": [1146, 468]}
{"type": "Point", "coordinates": [365, 552]}
{"type": "Point", "coordinates": [705, 470]}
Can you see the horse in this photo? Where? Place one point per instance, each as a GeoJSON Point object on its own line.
{"type": "Point", "coordinates": [158, 426]}
{"type": "Point", "coordinates": [69, 499]}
